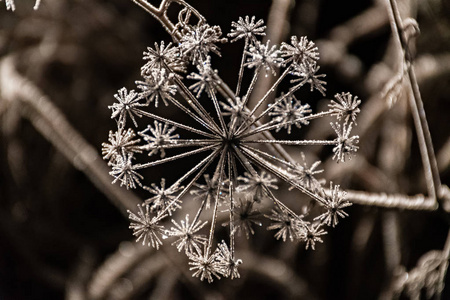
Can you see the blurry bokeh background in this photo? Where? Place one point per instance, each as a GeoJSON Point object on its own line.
{"type": "Point", "coordinates": [64, 233]}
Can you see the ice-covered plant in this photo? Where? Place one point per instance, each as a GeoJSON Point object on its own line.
{"type": "Point", "coordinates": [238, 161]}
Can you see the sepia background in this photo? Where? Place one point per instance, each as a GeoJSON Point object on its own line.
{"type": "Point", "coordinates": [64, 228]}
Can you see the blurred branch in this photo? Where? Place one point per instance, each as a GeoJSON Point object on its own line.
{"type": "Point", "coordinates": [53, 125]}
{"type": "Point", "coordinates": [416, 104]}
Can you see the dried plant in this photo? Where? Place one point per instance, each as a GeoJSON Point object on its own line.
{"type": "Point", "coordinates": [240, 149]}
{"type": "Point", "coordinates": [242, 181]}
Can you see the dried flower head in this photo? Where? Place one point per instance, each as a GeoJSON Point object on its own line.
{"type": "Point", "coordinates": [128, 105]}
{"type": "Point", "coordinates": [345, 107]}
{"type": "Point", "coordinates": [264, 56]}
{"type": "Point", "coordinates": [161, 57]}
{"type": "Point", "coordinates": [165, 199]}
{"type": "Point", "coordinates": [199, 40]}
{"type": "Point", "coordinates": [124, 171]}
{"type": "Point", "coordinates": [290, 112]}
{"type": "Point", "coordinates": [188, 239]}
{"type": "Point", "coordinates": [246, 29]}
{"type": "Point", "coordinates": [146, 228]}
{"type": "Point", "coordinates": [256, 185]}
{"type": "Point", "coordinates": [121, 142]}
{"type": "Point", "coordinates": [157, 86]}
{"type": "Point", "coordinates": [345, 145]}
{"type": "Point", "coordinates": [233, 158]}
{"type": "Point", "coordinates": [300, 51]}
{"type": "Point", "coordinates": [157, 137]}
{"type": "Point", "coordinates": [334, 205]}
{"type": "Point", "coordinates": [204, 265]}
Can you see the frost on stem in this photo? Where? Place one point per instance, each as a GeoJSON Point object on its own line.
{"type": "Point", "coordinates": [234, 161]}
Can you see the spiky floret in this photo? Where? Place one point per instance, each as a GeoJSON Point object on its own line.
{"type": "Point", "coordinates": [204, 265]}
{"type": "Point", "coordinates": [345, 107]}
{"type": "Point", "coordinates": [345, 144]}
{"type": "Point", "coordinates": [289, 111]}
{"type": "Point", "coordinates": [127, 105]}
{"type": "Point", "coordinates": [188, 239]}
{"type": "Point", "coordinates": [334, 204]}
{"type": "Point", "coordinates": [146, 228]}
{"type": "Point", "coordinates": [246, 29]}
{"type": "Point", "coordinates": [157, 137]}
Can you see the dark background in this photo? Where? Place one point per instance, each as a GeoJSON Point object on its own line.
{"type": "Point", "coordinates": [54, 221]}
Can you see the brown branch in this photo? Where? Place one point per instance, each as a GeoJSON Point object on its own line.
{"type": "Point", "coordinates": [416, 104]}
{"type": "Point", "coordinates": [53, 125]}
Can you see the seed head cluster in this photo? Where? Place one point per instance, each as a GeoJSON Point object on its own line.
{"type": "Point", "coordinates": [237, 170]}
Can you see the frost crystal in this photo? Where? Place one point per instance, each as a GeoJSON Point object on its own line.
{"type": "Point", "coordinates": [127, 105]}
{"type": "Point", "coordinates": [246, 29]}
{"type": "Point", "coordinates": [345, 107]}
{"type": "Point", "coordinates": [345, 145]}
{"type": "Point", "coordinates": [306, 175]}
{"type": "Point", "coordinates": [226, 152]}
{"type": "Point", "coordinates": [187, 237]}
{"type": "Point", "coordinates": [157, 137]}
{"type": "Point", "coordinates": [334, 205]}
{"type": "Point", "coordinates": [290, 112]}
{"type": "Point", "coordinates": [204, 265]}
{"type": "Point", "coordinates": [124, 171]}
{"type": "Point", "coordinates": [146, 228]}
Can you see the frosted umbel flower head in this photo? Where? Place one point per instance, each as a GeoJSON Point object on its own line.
{"type": "Point", "coordinates": [226, 156]}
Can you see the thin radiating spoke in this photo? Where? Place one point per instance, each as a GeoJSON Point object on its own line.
{"type": "Point", "coordinates": [175, 157]}
{"type": "Point", "coordinates": [281, 173]}
{"type": "Point", "coordinates": [205, 162]}
{"type": "Point", "coordinates": [191, 114]}
{"type": "Point", "coordinates": [180, 143]}
{"type": "Point", "coordinates": [293, 143]}
{"type": "Point", "coordinates": [176, 124]}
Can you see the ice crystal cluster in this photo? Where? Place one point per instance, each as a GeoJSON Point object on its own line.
{"type": "Point", "coordinates": [237, 164]}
